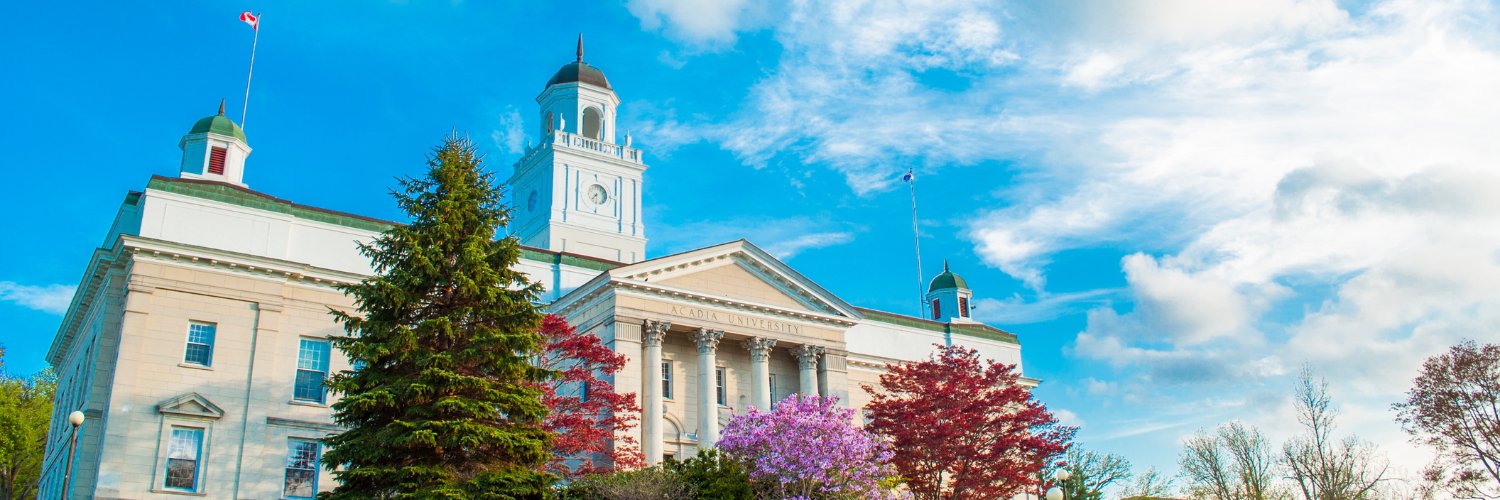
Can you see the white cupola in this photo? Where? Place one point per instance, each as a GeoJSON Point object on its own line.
{"type": "Point", "coordinates": [215, 149]}
{"type": "Point", "coordinates": [949, 297]}
{"type": "Point", "coordinates": [579, 100]}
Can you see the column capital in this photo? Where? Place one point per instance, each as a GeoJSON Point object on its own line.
{"type": "Point", "coordinates": [760, 348]}
{"type": "Point", "coordinates": [807, 356]}
{"type": "Point", "coordinates": [708, 339]}
{"type": "Point", "coordinates": [655, 331]}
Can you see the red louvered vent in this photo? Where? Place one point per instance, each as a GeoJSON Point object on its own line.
{"type": "Point", "coordinates": [216, 161]}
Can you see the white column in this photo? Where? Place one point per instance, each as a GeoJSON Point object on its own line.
{"type": "Point", "coordinates": [807, 363]}
{"type": "Point", "coordinates": [760, 371]}
{"type": "Point", "coordinates": [651, 404]}
{"type": "Point", "coordinates": [708, 404]}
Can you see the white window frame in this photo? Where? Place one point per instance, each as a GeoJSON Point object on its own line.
{"type": "Point", "coordinates": [721, 386]}
{"type": "Point", "coordinates": [213, 330]}
{"type": "Point", "coordinates": [666, 379]}
{"type": "Point", "coordinates": [198, 461]}
{"type": "Point", "coordinates": [316, 469]}
{"type": "Point", "coordinates": [326, 361]}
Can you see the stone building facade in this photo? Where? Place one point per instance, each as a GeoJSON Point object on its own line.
{"type": "Point", "coordinates": [197, 341]}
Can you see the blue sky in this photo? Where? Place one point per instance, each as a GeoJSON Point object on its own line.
{"type": "Point", "coordinates": [1175, 204]}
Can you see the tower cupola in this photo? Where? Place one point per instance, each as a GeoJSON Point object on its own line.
{"type": "Point", "coordinates": [949, 297]}
{"type": "Point", "coordinates": [215, 149]}
{"type": "Point", "coordinates": [578, 100]}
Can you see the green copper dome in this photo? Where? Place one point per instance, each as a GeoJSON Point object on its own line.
{"type": "Point", "coordinates": [947, 280]}
{"type": "Point", "coordinates": [219, 124]}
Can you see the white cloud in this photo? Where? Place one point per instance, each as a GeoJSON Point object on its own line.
{"type": "Point", "coordinates": [509, 134]}
{"type": "Point", "coordinates": [786, 249]}
{"type": "Point", "coordinates": [783, 238]}
{"type": "Point", "coordinates": [51, 298]}
{"type": "Point", "coordinates": [703, 22]}
{"type": "Point", "coordinates": [1294, 183]}
{"type": "Point", "coordinates": [1015, 310]}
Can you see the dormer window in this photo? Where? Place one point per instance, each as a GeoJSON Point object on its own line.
{"type": "Point", "coordinates": [216, 160]}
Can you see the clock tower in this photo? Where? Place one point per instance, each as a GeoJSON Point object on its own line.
{"type": "Point", "coordinates": [579, 190]}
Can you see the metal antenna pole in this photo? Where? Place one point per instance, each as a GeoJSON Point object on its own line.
{"type": "Point", "coordinates": [253, 42]}
{"type": "Point", "coordinates": [911, 183]}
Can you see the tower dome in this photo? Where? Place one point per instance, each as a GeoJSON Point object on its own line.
{"type": "Point", "coordinates": [948, 297]}
{"type": "Point", "coordinates": [947, 280]}
{"type": "Point", "coordinates": [215, 149]}
{"type": "Point", "coordinates": [579, 72]}
{"type": "Point", "coordinates": [218, 124]}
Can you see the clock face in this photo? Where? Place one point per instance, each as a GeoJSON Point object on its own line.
{"type": "Point", "coordinates": [531, 202]}
{"type": "Point", "coordinates": [597, 194]}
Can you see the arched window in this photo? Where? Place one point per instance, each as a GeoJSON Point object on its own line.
{"type": "Point", "coordinates": [591, 123]}
{"type": "Point", "coordinates": [547, 124]}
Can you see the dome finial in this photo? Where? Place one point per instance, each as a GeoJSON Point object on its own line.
{"type": "Point", "coordinates": [580, 47]}
{"type": "Point", "coordinates": [945, 265]}
{"type": "Point", "coordinates": [221, 107]}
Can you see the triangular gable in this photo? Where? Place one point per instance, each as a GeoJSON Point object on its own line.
{"type": "Point", "coordinates": [740, 271]}
{"type": "Point", "coordinates": [190, 404]}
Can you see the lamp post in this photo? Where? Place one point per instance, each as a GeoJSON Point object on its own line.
{"type": "Point", "coordinates": [75, 418]}
{"type": "Point", "coordinates": [1060, 492]}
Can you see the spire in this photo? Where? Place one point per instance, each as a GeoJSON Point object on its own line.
{"type": "Point", "coordinates": [945, 265]}
{"type": "Point", "coordinates": [221, 107]}
{"type": "Point", "coordinates": [580, 47]}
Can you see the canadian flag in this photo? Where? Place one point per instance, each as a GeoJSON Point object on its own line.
{"type": "Point", "coordinates": [251, 19]}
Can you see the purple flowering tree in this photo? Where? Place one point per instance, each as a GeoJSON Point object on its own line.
{"type": "Point", "coordinates": [808, 447]}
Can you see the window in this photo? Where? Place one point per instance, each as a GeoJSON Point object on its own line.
{"type": "Point", "coordinates": [772, 395]}
{"type": "Point", "coordinates": [200, 343]}
{"type": "Point", "coordinates": [591, 125]}
{"type": "Point", "coordinates": [312, 368]}
{"type": "Point", "coordinates": [666, 379]}
{"type": "Point", "coordinates": [302, 456]}
{"type": "Point", "coordinates": [719, 385]}
{"type": "Point", "coordinates": [583, 392]}
{"type": "Point", "coordinates": [963, 307]}
{"type": "Point", "coordinates": [216, 161]}
{"type": "Point", "coordinates": [937, 312]}
{"type": "Point", "coordinates": [182, 458]}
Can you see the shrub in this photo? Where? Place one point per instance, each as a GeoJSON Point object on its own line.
{"type": "Point", "coordinates": [655, 483]}
{"type": "Point", "coordinates": [712, 475]}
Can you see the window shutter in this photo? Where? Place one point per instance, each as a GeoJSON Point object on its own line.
{"type": "Point", "coordinates": [216, 161]}
{"type": "Point", "coordinates": [937, 312]}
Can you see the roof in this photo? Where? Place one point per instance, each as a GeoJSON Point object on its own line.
{"type": "Point", "coordinates": [219, 124]}
{"type": "Point", "coordinates": [579, 72]}
{"type": "Point", "coordinates": [947, 280]}
{"type": "Point", "coordinates": [978, 330]}
{"type": "Point", "coordinates": [245, 197]}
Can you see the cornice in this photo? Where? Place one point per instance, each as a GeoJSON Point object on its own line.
{"type": "Point", "coordinates": [155, 249]}
{"type": "Point", "coordinates": [655, 289]}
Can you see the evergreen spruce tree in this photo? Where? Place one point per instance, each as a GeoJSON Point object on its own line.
{"type": "Point", "coordinates": [445, 402]}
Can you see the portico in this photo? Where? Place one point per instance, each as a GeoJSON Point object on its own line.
{"type": "Point", "coordinates": [722, 330]}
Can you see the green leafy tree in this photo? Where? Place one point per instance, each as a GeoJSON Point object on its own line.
{"type": "Point", "coordinates": [713, 475]}
{"type": "Point", "coordinates": [445, 401]}
{"type": "Point", "coordinates": [25, 410]}
{"type": "Point", "coordinates": [1089, 472]}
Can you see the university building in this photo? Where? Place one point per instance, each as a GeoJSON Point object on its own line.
{"type": "Point", "coordinates": [197, 342]}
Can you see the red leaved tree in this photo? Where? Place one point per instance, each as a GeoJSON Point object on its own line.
{"type": "Point", "coordinates": [963, 428]}
{"type": "Point", "coordinates": [587, 415]}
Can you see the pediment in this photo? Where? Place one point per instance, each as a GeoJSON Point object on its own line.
{"type": "Point", "coordinates": [736, 272]}
{"type": "Point", "coordinates": [190, 404]}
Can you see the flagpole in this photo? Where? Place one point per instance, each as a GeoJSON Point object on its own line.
{"type": "Point", "coordinates": [253, 42]}
{"type": "Point", "coordinates": [911, 183]}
